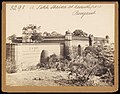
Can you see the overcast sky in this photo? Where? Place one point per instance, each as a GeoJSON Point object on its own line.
{"type": "Point", "coordinates": [99, 24]}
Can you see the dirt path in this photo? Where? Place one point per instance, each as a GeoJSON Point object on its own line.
{"type": "Point", "coordinates": [38, 77]}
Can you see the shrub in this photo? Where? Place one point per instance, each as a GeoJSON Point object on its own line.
{"type": "Point", "coordinates": [53, 61]}
{"type": "Point", "coordinates": [97, 61]}
{"type": "Point", "coordinates": [63, 65]}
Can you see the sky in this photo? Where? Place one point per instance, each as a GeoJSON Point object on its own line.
{"type": "Point", "coordinates": [100, 23]}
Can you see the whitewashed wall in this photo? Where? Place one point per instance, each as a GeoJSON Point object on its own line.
{"type": "Point", "coordinates": [82, 43]}
{"type": "Point", "coordinates": [29, 54]}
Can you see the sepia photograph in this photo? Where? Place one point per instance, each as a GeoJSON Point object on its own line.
{"type": "Point", "coordinates": [60, 46]}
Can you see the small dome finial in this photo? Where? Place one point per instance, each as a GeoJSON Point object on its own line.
{"type": "Point", "coordinates": [68, 31]}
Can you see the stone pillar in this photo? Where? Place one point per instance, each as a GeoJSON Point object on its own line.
{"type": "Point", "coordinates": [12, 63]}
{"type": "Point", "coordinates": [24, 37]}
{"type": "Point", "coordinates": [79, 50]}
{"type": "Point", "coordinates": [91, 40]}
{"type": "Point", "coordinates": [68, 45]}
{"type": "Point", "coordinates": [62, 46]}
{"type": "Point", "coordinates": [107, 38]}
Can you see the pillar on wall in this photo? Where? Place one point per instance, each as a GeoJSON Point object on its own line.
{"type": "Point", "coordinates": [11, 67]}
{"type": "Point", "coordinates": [29, 39]}
{"type": "Point", "coordinates": [68, 45]}
{"type": "Point", "coordinates": [24, 37]}
{"type": "Point", "coordinates": [107, 38]}
{"type": "Point", "coordinates": [62, 48]}
{"type": "Point", "coordinates": [79, 50]}
{"type": "Point", "coordinates": [91, 40]}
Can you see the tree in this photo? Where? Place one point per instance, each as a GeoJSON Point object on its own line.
{"type": "Point", "coordinates": [52, 60]}
{"type": "Point", "coordinates": [34, 36]}
{"type": "Point", "coordinates": [45, 34]}
{"type": "Point", "coordinates": [32, 29]}
{"type": "Point", "coordinates": [24, 28]}
{"type": "Point", "coordinates": [54, 33]}
{"type": "Point", "coordinates": [12, 37]}
{"type": "Point", "coordinates": [79, 33]}
{"type": "Point", "coordinates": [39, 37]}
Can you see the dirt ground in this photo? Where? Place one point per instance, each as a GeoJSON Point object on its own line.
{"type": "Point", "coordinates": [39, 77]}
